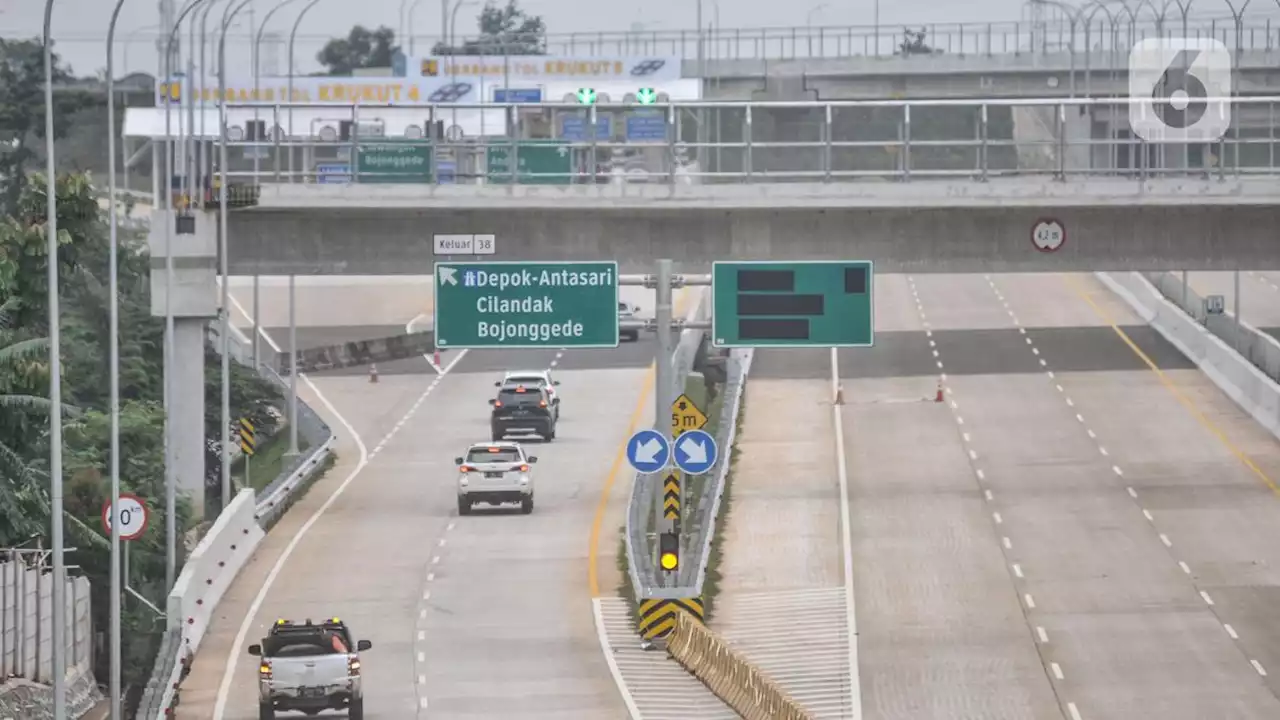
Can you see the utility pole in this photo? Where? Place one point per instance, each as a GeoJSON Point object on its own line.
{"type": "Point", "coordinates": [662, 390]}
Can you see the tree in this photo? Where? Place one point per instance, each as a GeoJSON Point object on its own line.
{"type": "Point", "coordinates": [361, 48]}
{"type": "Point", "coordinates": [505, 30]}
{"type": "Point", "coordinates": [22, 112]}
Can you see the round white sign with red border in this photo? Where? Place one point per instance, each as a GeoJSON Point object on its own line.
{"type": "Point", "coordinates": [133, 517]}
{"type": "Point", "coordinates": [1048, 234]}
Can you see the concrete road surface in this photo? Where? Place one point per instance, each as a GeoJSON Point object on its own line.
{"type": "Point", "coordinates": [1259, 295]}
{"type": "Point", "coordinates": [485, 616]}
{"type": "Point", "coordinates": [1072, 533]}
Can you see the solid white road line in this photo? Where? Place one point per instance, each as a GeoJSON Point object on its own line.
{"type": "Point", "coordinates": [846, 544]}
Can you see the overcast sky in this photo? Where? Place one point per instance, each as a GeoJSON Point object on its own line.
{"type": "Point", "coordinates": [79, 26]}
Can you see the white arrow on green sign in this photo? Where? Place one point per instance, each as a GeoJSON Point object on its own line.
{"type": "Point", "coordinates": [526, 305]}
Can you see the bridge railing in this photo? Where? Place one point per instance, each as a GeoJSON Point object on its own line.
{"type": "Point", "coordinates": [740, 142]}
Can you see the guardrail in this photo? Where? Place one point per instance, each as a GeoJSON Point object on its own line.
{"type": "Point", "coordinates": [766, 142]}
{"type": "Point", "coordinates": [1238, 377]}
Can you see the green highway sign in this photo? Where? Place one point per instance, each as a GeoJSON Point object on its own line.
{"type": "Point", "coordinates": [526, 305]}
{"type": "Point", "coordinates": [539, 162]}
{"type": "Point", "coordinates": [406, 161]}
{"type": "Point", "coordinates": [815, 303]}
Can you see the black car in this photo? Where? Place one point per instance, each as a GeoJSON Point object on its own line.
{"type": "Point", "coordinates": [522, 409]}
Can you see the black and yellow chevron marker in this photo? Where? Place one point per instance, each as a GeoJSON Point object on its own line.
{"type": "Point", "coordinates": [248, 438]}
{"type": "Point", "coordinates": [671, 496]}
{"type": "Point", "coordinates": [658, 615]}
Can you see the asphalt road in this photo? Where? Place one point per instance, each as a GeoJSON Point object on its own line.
{"type": "Point", "coordinates": [1070, 534]}
{"type": "Point", "coordinates": [485, 616]}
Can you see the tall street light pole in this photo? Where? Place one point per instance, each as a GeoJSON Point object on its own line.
{"type": "Point", "coordinates": [55, 386]}
{"type": "Point", "coordinates": [293, 36]}
{"type": "Point", "coordinates": [114, 371]}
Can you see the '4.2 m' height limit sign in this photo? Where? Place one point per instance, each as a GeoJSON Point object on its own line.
{"type": "Point", "coordinates": [792, 304]}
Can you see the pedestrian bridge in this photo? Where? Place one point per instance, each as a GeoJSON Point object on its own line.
{"type": "Point", "coordinates": [925, 196]}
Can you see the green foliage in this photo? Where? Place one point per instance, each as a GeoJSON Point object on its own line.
{"type": "Point", "coordinates": [22, 116]}
{"type": "Point", "coordinates": [361, 48]}
{"type": "Point", "coordinates": [504, 30]}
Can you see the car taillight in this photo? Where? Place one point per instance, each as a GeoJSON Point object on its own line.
{"type": "Point", "coordinates": [353, 666]}
{"type": "Point", "coordinates": [542, 403]}
{"type": "Point", "coordinates": [264, 670]}
{"type": "Point", "coordinates": [497, 403]}
{"type": "Point", "coordinates": [466, 469]}
{"type": "Point", "coordinates": [524, 468]}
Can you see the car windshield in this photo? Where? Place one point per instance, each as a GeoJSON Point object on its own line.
{"type": "Point", "coordinates": [514, 396]}
{"type": "Point", "coordinates": [534, 380]}
{"type": "Point", "coordinates": [493, 455]}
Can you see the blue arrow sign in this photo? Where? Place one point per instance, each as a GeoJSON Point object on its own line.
{"type": "Point", "coordinates": [695, 452]}
{"type": "Point", "coordinates": [648, 451]}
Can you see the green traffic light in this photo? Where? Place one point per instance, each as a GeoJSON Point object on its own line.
{"type": "Point", "coordinates": [586, 96]}
{"type": "Point", "coordinates": [646, 96]}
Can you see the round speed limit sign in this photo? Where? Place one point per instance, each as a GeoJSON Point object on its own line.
{"type": "Point", "coordinates": [132, 514]}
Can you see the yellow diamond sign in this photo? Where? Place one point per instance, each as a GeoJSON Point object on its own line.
{"type": "Point", "coordinates": [685, 416]}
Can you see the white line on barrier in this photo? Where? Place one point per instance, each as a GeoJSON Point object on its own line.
{"type": "Point", "coordinates": [632, 710]}
{"type": "Point", "coordinates": [846, 544]}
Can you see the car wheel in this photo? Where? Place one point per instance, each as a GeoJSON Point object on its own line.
{"type": "Point", "coordinates": [355, 711]}
{"type": "Point", "coordinates": [464, 505]}
{"type": "Point", "coordinates": [551, 433]}
{"type": "Point", "coordinates": [526, 505]}
{"type": "Point", "coordinates": [266, 712]}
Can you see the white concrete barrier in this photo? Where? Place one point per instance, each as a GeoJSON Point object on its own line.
{"type": "Point", "coordinates": [212, 567]}
{"type": "Point", "coordinates": [1243, 382]}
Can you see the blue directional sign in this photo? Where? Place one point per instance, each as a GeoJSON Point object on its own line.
{"type": "Point", "coordinates": [646, 127]}
{"type": "Point", "coordinates": [517, 95]}
{"type": "Point", "coordinates": [648, 451]}
{"type": "Point", "coordinates": [696, 452]}
{"type": "Point", "coordinates": [333, 173]}
{"type": "Point", "coordinates": [575, 128]}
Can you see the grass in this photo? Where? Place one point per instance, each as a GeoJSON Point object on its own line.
{"type": "Point", "coordinates": [711, 584]}
{"type": "Point", "coordinates": [268, 461]}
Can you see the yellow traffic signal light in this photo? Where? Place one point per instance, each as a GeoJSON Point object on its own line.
{"type": "Point", "coordinates": [669, 551]}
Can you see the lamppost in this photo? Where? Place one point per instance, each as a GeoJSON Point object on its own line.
{"type": "Point", "coordinates": [113, 371]}
{"type": "Point", "coordinates": [293, 36]}
{"type": "Point", "coordinates": [55, 385]}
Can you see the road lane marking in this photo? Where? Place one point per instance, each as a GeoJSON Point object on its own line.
{"type": "Point", "coordinates": [1132, 493]}
{"type": "Point", "coordinates": [846, 542]}
{"type": "Point", "coordinates": [1017, 569]}
{"type": "Point", "coordinates": [1165, 539]}
{"type": "Point", "coordinates": [1173, 389]}
{"type": "Point", "coordinates": [1031, 602]}
{"type": "Point", "coordinates": [1044, 636]}
{"type": "Point", "coordinates": [1208, 600]}
{"type": "Point", "coordinates": [1008, 544]}
{"type": "Point", "coordinates": [1258, 666]}
{"type": "Point", "coordinates": [1230, 631]}
{"type": "Point", "coordinates": [1185, 567]}
{"type": "Point", "coordinates": [1075, 713]}
{"type": "Point", "coordinates": [1147, 514]}
{"type": "Point", "coordinates": [255, 606]}
{"type": "Point", "coordinates": [1057, 671]}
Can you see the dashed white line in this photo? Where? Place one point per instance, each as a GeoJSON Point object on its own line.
{"type": "Point", "coordinates": [982, 476]}
{"type": "Point", "coordinates": [430, 576]}
{"type": "Point", "coordinates": [1132, 493]}
{"type": "Point", "coordinates": [1079, 417]}
{"type": "Point", "coordinates": [1008, 544]}
{"type": "Point", "coordinates": [973, 455]}
{"type": "Point", "coordinates": [1044, 636]}
{"type": "Point", "coordinates": [426, 594]}
{"type": "Point", "coordinates": [1165, 539]}
{"type": "Point", "coordinates": [1116, 469]}
{"type": "Point", "coordinates": [997, 518]}
{"type": "Point", "coordinates": [1017, 569]}
{"type": "Point", "coordinates": [1258, 666]}
{"type": "Point", "coordinates": [441, 543]}
{"type": "Point", "coordinates": [987, 493]}
{"type": "Point", "coordinates": [1075, 713]}
{"type": "Point", "coordinates": [1057, 671]}
{"type": "Point", "coordinates": [1147, 514]}
{"type": "Point", "coordinates": [1031, 602]}
{"type": "Point", "coordinates": [422, 679]}
{"type": "Point", "coordinates": [422, 635]}
{"type": "Point", "coordinates": [1185, 567]}
{"type": "Point", "coordinates": [965, 436]}
{"type": "Point", "coordinates": [1230, 631]}
{"type": "Point", "coordinates": [450, 527]}
{"type": "Point", "coordinates": [422, 657]}
{"type": "Point", "coordinates": [1208, 600]}
{"type": "Point", "coordinates": [435, 559]}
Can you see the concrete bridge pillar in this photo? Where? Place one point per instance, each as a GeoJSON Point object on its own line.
{"type": "Point", "coordinates": [194, 303]}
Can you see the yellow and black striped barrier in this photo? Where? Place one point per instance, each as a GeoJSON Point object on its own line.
{"type": "Point", "coordinates": [658, 615]}
{"type": "Point", "coordinates": [671, 496]}
{"type": "Point", "coordinates": [248, 439]}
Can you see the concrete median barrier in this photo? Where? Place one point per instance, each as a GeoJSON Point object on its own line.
{"type": "Point", "coordinates": [737, 682]}
{"type": "Point", "coordinates": [363, 352]}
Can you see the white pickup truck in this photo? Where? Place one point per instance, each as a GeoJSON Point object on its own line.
{"type": "Point", "coordinates": [309, 667]}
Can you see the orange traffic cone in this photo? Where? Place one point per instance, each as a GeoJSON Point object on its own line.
{"type": "Point", "coordinates": [373, 373]}
{"type": "Point", "coordinates": [839, 394]}
{"type": "Point", "coordinates": [938, 397]}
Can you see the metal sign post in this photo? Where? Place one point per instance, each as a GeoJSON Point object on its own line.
{"type": "Point", "coordinates": [662, 390]}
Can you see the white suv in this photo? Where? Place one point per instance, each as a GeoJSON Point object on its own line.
{"type": "Point", "coordinates": [495, 473]}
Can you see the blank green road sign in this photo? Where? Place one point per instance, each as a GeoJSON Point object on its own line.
{"type": "Point", "coordinates": [526, 305]}
{"type": "Point", "coordinates": [792, 304]}
{"type": "Point", "coordinates": [389, 161]}
{"type": "Point", "coordinates": [546, 162]}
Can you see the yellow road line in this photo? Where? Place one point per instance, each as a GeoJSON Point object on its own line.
{"type": "Point", "coordinates": [593, 551]}
{"type": "Point", "coordinates": [1173, 389]}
